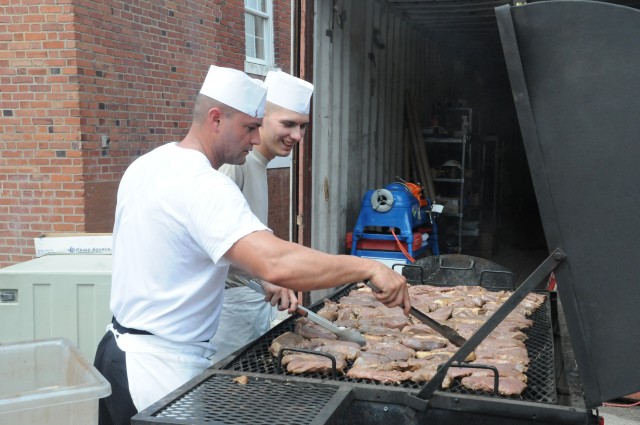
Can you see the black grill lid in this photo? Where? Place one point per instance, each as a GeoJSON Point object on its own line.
{"type": "Point", "coordinates": [574, 72]}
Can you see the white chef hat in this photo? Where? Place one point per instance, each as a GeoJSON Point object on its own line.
{"type": "Point", "coordinates": [236, 89]}
{"type": "Point", "coordinates": [288, 91]}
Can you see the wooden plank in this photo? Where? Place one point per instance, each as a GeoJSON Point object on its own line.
{"type": "Point", "coordinates": [419, 147]}
{"type": "Point", "coordinates": [417, 154]}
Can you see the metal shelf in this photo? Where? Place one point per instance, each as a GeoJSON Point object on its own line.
{"type": "Point", "coordinates": [440, 179]}
{"type": "Point", "coordinates": [457, 140]}
{"type": "Point", "coordinates": [464, 150]}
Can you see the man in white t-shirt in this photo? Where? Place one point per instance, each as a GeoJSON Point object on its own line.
{"type": "Point", "coordinates": [245, 315]}
{"type": "Point", "coordinates": [179, 224]}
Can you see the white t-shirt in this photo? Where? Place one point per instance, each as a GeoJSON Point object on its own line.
{"type": "Point", "coordinates": [175, 219]}
{"type": "Point", "coordinates": [251, 178]}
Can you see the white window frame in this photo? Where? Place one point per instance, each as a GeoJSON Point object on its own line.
{"type": "Point", "coordinates": [258, 66]}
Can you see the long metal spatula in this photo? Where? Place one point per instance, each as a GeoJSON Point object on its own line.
{"type": "Point", "coordinates": [454, 337]}
{"type": "Point", "coordinates": [343, 333]}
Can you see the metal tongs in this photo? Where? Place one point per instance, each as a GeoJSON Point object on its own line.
{"type": "Point", "coordinates": [454, 337]}
{"type": "Point", "coordinates": [343, 333]}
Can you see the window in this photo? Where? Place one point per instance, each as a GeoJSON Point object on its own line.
{"type": "Point", "coordinates": [258, 36]}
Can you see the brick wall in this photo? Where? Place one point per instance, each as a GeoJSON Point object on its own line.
{"type": "Point", "coordinates": [282, 34]}
{"type": "Point", "coordinates": [279, 200]}
{"type": "Point", "coordinates": [72, 74]}
{"type": "Point", "coordinates": [40, 157]}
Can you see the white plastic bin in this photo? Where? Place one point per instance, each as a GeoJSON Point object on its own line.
{"type": "Point", "coordinates": [48, 382]}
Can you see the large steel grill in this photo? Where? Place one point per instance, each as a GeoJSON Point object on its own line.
{"type": "Point", "coordinates": [318, 398]}
{"type": "Point", "coordinates": [583, 194]}
{"type": "Point", "coordinates": [541, 386]}
{"type": "Point", "coordinates": [220, 400]}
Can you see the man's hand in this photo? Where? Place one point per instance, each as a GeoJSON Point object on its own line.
{"type": "Point", "coordinates": [393, 288]}
{"type": "Point", "coordinates": [284, 298]}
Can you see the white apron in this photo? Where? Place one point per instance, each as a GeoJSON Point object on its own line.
{"type": "Point", "coordinates": [156, 367]}
{"type": "Point", "coordinates": [245, 316]}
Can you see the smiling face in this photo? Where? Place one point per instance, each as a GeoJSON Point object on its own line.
{"type": "Point", "coordinates": [281, 130]}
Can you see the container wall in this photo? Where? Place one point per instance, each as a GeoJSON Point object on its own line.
{"type": "Point", "coordinates": [367, 58]}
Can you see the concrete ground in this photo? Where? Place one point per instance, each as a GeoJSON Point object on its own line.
{"type": "Point", "coordinates": [620, 415]}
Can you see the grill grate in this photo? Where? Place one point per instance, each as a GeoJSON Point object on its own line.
{"type": "Point", "coordinates": [540, 375]}
{"type": "Point", "coordinates": [219, 400]}
{"type": "Point", "coordinates": [541, 382]}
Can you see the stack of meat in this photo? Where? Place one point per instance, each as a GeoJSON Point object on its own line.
{"type": "Point", "coordinates": [400, 348]}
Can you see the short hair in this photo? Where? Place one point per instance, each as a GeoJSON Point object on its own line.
{"type": "Point", "coordinates": [271, 107]}
{"type": "Point", "coordinates": [203, 104]}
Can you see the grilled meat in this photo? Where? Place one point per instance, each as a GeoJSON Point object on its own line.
{"type": "Point", "coordinates": [393, 350]}
{"type": "Point", "coordinates": [378, 367]}
{"type": "Point", "coordinates": [467, 311]}
{"type": "Point", "coordinates": [312, 363]}
{"type": "Point", "coordinates": [441, 314]}
{"type": "Point", "coordinates": [505, 366]}
{"type": "Point", "coordinates": [377, 330]}
{"type": "Point", "coordinates": [379, 315]}
{"type": "Point", "coordinates": [308, 329]}
{"type": "Point", "coordinates": [424, 342]}
{"type": "Point", "coordinates": [513, 354]}
{"type": "Point", "coordinates": [435, 355]}
{"type": "Point", "coordinates": [506, 386]}
{"type": "Point", "coordinates": [384, 376]}
{"type": "Point", "coordinates": [392, 322]}
{"type": "Point", "coordinates": [330, 310]}
{"type": "Point", "coordinates": [350, 350]}
{"type": "Point", "coordinates": [287, 339]}
{"type": "Point", "coordinates": [375, 361]}
{"type": "Point", "coordinates": [401, 348]}
{"type": "Point", "coordinates": [362, 298]}
{"type": "Point", "coordinates": [426, 373]}
{"type": "Point", "coordinates": [498, 342]}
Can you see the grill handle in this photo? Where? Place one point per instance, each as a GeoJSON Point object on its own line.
{"type": "Point", "coordinates": [496, 379]}
{"type": "Point", "coordinates": [411, 266]}
{"type": "Point", "coordinates": [442, 266]}
{"type": "Point", "coordinates": [334, 372]}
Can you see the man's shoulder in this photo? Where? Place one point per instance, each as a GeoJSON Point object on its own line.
{"type": "Point", "coordinates": [234, 172]}
{"type": "Point", "coordinates": [229, 168]}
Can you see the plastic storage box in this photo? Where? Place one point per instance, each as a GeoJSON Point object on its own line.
{"type": "Point", "coordinates": [48, 382]}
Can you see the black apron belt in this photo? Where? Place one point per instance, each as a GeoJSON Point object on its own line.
{"type": "Point", "coordinates": [121, 329]}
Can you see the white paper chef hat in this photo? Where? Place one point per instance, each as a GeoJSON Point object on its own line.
{"type": "Point", "coordinates": [236, 89]}
{"type": "Point", "coordinates": [288, 91]}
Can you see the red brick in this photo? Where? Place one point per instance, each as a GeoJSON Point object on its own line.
{"type": "Point", "coordinates": [56, 68]}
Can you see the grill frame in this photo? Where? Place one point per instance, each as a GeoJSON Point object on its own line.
{"type": "Point", "coordinates": [213, 397]}
{"type": "Point", "coordinates": [355, 403]}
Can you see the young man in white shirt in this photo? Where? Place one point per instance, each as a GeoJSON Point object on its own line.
{"type": "Point", "coordinates": [245, 315]}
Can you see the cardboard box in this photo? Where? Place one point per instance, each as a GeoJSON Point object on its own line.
{"type": "Point", "coordinates": [73, 243]}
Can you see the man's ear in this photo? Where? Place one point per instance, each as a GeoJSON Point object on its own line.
{"type": "Point", "coordinates": [213, 118]}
